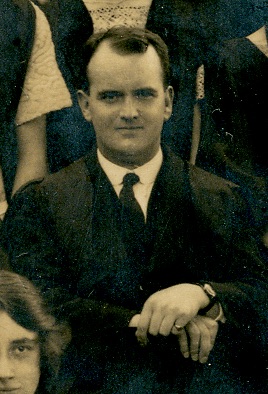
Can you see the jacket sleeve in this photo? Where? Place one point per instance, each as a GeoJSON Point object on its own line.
{"type": "Point", "coordinates": [235, 261]}
{"type": "Point", "coordinates": [35, 251]}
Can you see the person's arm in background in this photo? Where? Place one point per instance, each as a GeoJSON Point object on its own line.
{"type": "Point", "coordinates": [32, 160]}
{"type": "Point", "coordinates": [39, 90]}
{"type": "Point", "coordinates": [71, 26]}
{"type": "Point", "coordinates": [3, 200]}
{"type": "Point", "coordinates": [44, 90]}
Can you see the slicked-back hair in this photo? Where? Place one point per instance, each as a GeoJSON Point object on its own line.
{"type": "Point", "coordinates": [126, 41]}
{"type": "Point", "coordinates": [20, 299]}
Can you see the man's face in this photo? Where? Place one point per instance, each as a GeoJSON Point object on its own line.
{"type": "Point", "coordinates": [127, 104]}
{"type": "Point", "coordinates": [19, 358]}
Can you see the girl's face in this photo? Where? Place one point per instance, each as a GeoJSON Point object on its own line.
{"type": "Point", "coordinates": [19, 357]}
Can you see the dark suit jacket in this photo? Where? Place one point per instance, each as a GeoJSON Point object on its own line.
{"type": "Point", "coordinates": [62, 233]}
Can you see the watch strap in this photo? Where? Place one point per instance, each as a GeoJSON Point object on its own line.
{"type": "Point", "coordinates": [208, 290]}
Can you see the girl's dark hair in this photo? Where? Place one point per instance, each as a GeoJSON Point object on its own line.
{"type": "Point", "coordinates": [24, 304]}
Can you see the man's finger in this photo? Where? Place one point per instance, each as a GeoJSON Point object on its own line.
{"type": "Point", "coordinates": [205, 341]}
{"type": "Point", "coordinates": [155, 323]}
{"type": "Point", "coordinates": [194, 338]}
{"type": "Point", "coordinates": [183, 341]}
{"type": "Point", "coordinates": [143, 326]}
{"type": "Point", "coordinates": [213, 327]}
{"type": "Point", "coordinates": [166, 325]}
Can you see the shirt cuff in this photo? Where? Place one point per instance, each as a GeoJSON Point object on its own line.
{"type": "Point", "coordinates": [216, 313]}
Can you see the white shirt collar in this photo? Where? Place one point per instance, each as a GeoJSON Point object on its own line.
{"type": "Point", "coordinates": [147, 172]}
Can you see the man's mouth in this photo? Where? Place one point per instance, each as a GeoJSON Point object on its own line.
{"type": "Point", "coordinates": [129, 128]}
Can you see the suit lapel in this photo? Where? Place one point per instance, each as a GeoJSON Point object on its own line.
{"type": "Point", "coordinates": [168, 208]}
{"type": "Point", "coordinates": [103, 252]}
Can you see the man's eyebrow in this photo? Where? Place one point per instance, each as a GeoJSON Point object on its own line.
{"type": "Point", "coordinates": [146, 90]}
{"type": "Point", "coordinates": [109, 91]}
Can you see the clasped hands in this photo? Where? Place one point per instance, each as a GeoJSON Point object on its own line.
{"type": "Point", "coordinates": [178, 305]}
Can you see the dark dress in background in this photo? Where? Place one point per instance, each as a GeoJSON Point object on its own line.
{"type": "Point", "coordinates": [235, 123]}
{"type": "Point", "coordinates": [238, 105]}
{"type": "Point", "coordinates": [15, 50]}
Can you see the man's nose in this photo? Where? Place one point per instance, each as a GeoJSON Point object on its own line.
{"type": "Point", "coordinates": [7, 369]}
{"type": "Point", "coordinates": [129, 109]}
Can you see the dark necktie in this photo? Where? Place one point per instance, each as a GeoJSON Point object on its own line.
{"type": "Point", "coordinates": [132, 217]}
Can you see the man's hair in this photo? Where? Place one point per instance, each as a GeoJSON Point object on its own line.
{"type": "Point", "coordinates": [125, 41]}
{"type": "Point", "coordinates": [23, 303]}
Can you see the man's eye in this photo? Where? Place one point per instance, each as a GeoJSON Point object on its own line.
{"type": "Point", "coordinates": [144, 94]}
{"type": "Point", "coordinates": [110, 96]}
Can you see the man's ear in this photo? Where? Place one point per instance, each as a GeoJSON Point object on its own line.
{"type": "Point", "coordinates": [169, 95]}
{"type": "Point", "coordinates": [83, 100]}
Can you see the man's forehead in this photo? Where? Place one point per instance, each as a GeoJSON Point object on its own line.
{"type": "Point", "coordinates": [106, 54]}
{"type": "Point", "coordinates": [107, 66]}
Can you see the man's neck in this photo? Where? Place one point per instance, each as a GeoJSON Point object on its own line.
{"type": "Point", "coordinates": [103, 159]}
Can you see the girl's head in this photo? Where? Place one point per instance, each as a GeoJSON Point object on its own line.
{"type": "Point", "coordinates": [31, 343]}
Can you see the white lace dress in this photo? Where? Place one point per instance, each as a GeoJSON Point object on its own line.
{"type": "Point", "coordinates": [108, 13]}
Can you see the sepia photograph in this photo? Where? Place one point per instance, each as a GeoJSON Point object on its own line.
{"type": "Point", "coordinates": [133, 196]}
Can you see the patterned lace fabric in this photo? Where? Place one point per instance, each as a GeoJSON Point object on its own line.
{"type": "Point", "coordinates": [44, 88]}
{"type": "Point", "coordinates": [106, 14]}
{"type": "Point", "coordinates": [200, 89]}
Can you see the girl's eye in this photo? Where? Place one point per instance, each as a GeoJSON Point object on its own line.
{"type": "Point", "coordinates": [21, 349]}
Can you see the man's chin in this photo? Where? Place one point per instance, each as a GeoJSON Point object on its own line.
{"type": "Point", "coordinates": [129, 157]}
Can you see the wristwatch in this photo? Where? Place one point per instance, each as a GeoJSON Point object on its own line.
{"type": "Point", "coordinates": [211, 295]}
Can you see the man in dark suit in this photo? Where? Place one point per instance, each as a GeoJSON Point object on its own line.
{"type": "Point", "coordinates": [143, 279]}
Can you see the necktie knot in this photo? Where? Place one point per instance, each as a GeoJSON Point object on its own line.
{"type": "Point", "coordinates": [130, 205]}
{"type": "Point", "coordinates": [130, 179]}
